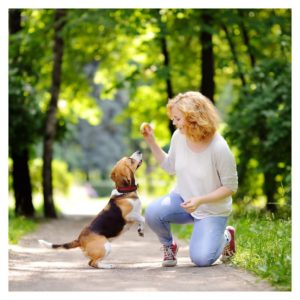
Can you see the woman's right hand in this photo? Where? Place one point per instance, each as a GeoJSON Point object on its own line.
{"type": "Point", "coordinates": [147, 131]}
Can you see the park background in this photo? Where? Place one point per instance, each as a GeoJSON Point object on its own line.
{"type": "Point", "coordinates": [81, 81]}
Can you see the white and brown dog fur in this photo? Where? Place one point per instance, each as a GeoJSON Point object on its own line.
{"type": "Point", "coordinates": [120, 213]}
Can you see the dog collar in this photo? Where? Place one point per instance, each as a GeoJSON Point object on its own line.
{"type": "Point", "coordinates": [127, 189]}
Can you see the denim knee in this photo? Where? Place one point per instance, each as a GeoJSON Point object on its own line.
{"type": "Point", "coordinates": [150, 213]}
{"type": "Point", "coordinates": [202, 259]}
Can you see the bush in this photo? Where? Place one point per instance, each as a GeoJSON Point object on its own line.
{"type": "Point", "coordinates": [259, 126]}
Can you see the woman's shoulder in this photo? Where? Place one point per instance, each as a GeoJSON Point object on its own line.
{"type": "Point", "coordinates": [219, 143]}
{"type": "Point", "coordinates": [177, 135]}
{"type": "Point", "coordinates": [177, 139]}
{"type": "Point", "coordinates": [221, 152]}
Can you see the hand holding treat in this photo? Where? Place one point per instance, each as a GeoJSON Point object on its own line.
{"type": "Point", "coordinates": [148, 133]}
{"type": "Point", "coordinates": [146, 129]}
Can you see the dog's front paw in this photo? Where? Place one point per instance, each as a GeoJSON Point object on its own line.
{"type": "Point", "coordinates": [141, 232]}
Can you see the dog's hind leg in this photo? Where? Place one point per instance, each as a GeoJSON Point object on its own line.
{"type": "Point", "coordinates": [98, 264]}
{"type": "Point", "coordinates": [97, 251]}
{"type": "Point", "coordinates": [102, 265]}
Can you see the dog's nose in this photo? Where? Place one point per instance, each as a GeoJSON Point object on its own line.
{"type": "Point", "coordinates": [137, 155]}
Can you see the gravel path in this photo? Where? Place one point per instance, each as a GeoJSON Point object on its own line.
{"type": "Point", "coordinates": [136, 260]}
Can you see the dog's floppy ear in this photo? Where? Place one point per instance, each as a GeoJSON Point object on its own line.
{"type": "Point", "coordinates": [128, 179]}
{"type": "Point", "coordinates": [122, 176]}
{"type": "Point", "coordinates": [113, 175]}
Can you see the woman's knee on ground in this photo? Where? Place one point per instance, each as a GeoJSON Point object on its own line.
{"type": "Point", "coordinates": [202, 258]}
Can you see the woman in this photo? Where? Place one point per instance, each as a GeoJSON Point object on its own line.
{"type": "Point", "coordinates": [206, 176]}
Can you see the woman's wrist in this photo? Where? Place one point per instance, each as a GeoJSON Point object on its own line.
{"type": "Point", "coordinates": [198, 201]}
{"type": "Point", "coordinates": [151, 141]}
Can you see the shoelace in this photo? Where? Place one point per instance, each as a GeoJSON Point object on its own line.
{"type": "Point", "coordinates": [227, 251]}
{"type": "Point", "coordinates": [168, 252]}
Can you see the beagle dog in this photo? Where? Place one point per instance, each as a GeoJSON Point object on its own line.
{"type": "Point", "coordinates": [122, 210]}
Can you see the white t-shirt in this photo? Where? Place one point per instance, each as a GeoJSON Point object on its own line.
{"type": "Point", "coordinates": [200, 173]}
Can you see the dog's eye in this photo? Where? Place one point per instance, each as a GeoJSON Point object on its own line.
{"type": "Point", "coordinates": [131, 160]}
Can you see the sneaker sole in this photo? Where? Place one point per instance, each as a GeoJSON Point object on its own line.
{"type": "Point", "coordinates": [169, 263]}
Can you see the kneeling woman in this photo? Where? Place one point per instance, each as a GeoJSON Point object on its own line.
{"type": "Point", "coordinates": [206, 177]}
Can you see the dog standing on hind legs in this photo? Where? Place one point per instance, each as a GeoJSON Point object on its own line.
{"type": "Point", "coordinates": [120, 213]}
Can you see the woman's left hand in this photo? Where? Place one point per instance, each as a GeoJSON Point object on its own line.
{"type": "Point", "coordinates": [190, 205]}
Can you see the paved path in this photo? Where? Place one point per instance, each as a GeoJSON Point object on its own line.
{"type": "Point", "coordinates": [137, 264]}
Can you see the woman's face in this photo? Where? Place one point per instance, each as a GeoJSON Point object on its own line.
{"type": "Point", "coordinates": [178, 119]}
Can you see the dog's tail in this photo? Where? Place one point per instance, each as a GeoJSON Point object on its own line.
{"type": "Point", "coordinates": [70, 245]}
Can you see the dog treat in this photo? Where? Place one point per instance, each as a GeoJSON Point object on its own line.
{"type": "Point", "coordinates": [145, 126]}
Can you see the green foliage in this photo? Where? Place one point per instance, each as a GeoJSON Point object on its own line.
{"type": "Point", "coordinates": [263, 246]}
{"type": "Point", "coordinates": [154, 182]}
{"type": "Point", "coordinates": [10, 179]}
{"type": "Point", "coordinates": [25, 119]}
{"type": "Point", "coordinates": [259, 125]}
{"type": "Point", "coordinates": [117, 54]}
{"type": "Point", "coordinates": [62, 178]}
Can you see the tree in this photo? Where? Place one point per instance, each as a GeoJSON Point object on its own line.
{"type": "Point", "coordinates": [166, 61]}
{"type": "Point", "coordinates": [207, 87]}
{"type": "Point", "coordinates": [51, 122]}
{"type": "Point", "coordinates": [21, 115]}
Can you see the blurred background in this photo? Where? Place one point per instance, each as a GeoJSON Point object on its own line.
{"type": "Point", "coordinates": [81, 81]}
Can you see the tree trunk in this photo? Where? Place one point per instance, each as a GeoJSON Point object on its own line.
{"type": "Point", "coordinates": [165, 53]}
{"type": "Point", "coordinates": [21, 176]}
{"type": "Point", "coordinates": [207, 87]}
{"type": "Point", "coordinates": [269, 190]}
{"type": "Point", "coordinates": [22, 184]}
{"type": "Point", "coordinates": [234, 55]}
{"type": "Point", "coordinates": [270, 185]}
{"type": "Point", "coordinates": [50, 128]}
{"type": "Point", "coordinates": [14, 20]}
{"type": "Point", "coordinates": [246, 38]}
{"type": "Point", "coordinates": [170, 92]}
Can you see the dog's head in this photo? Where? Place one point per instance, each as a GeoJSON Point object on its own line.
{"type": "Point", "coordinates": [123, 172]}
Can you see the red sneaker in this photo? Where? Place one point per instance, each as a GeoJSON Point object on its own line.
{"type": "Point", "coordinates": [229, 249]}
{"type": "Point", "coordinates": [170, 255]}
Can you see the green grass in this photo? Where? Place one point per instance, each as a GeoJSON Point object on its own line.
{"type": "Point", "coordinates": [263, 246]}
{"type": "Point", "coordinates": [19, 226]}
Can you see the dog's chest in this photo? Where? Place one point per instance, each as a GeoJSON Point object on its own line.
{"type": "Point", "coordinates": [136, 206]}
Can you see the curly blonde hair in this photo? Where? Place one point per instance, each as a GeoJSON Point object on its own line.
{"type": "Point", "coordinates": [200, 115]}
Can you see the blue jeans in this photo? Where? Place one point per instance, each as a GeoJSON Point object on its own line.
{"type": "Point", "coordinates": [207, 240]}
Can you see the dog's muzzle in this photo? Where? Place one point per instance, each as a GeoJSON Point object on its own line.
{"type": "Point", "coordinates": [138, 156]}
